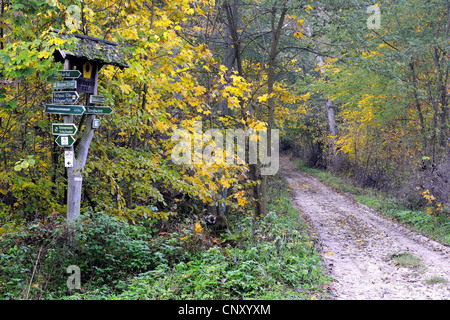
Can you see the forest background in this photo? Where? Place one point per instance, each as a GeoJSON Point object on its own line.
{"type": "Point", "coordinates": [365, 101]}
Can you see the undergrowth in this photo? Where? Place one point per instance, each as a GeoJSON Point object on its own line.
{"type": "Point", "coordinates": [269, 257]}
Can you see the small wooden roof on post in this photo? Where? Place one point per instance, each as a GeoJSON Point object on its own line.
{"type": "Point", "coordinates": [101, 52]}
{"type": "Point", "coordinates": [87, 55]}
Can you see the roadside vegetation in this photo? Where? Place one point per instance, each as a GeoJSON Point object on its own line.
{"type": "Point", "coordinates": [266, 258]}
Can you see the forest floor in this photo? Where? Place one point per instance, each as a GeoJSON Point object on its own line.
{"type": "Point", "coordinates": [369, 256]}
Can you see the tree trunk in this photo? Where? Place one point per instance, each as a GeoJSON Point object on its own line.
{"type": "Point", "coordinates": [445, 130]}
{"type": "Point", "coordinates": [230, 59]}
{"type": "Point", "coordinates": [2, 11]}
{"type": "Point", "coordinates": [276, 32]}
{"type": "Point", "coordinates": [419, 110]}
{"type": "Point", "coordinates": [330, 116]}
{"type": "Point", "coordinates": [75, 179]}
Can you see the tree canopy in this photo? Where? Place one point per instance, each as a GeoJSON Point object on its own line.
{"type": "Point", "coordinates": [369, 101]}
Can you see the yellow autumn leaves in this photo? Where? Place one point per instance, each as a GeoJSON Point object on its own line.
{"type": "Point", "coordinates": [432, 209]}
{"type": "Point", "coordinates": [197, 230]}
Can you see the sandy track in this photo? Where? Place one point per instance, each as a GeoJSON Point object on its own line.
{"type": "Point", "coordinates": [357, 243]}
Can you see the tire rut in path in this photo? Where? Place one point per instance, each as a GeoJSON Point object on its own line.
{"type": "Point", "coordinates": [357, 244]}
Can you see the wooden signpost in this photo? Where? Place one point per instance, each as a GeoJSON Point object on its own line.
{"type": "Point", "coordinates": [74, 160]}
{"type": "Point", "coordinates": [81, 67]}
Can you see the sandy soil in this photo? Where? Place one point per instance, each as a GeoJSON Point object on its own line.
{"type": "Point", "coordinates": [357, 244]}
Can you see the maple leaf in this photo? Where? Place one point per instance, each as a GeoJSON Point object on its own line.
{"type": "Point", "coordinates": [197, 227]}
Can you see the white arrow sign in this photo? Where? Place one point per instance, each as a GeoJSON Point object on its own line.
{"type": "Point", "coordinates": [68, 159]}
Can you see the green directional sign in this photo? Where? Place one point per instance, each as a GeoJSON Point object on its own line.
{"type": "Point", "coordinates": [64, 129]}
{"type": "Point", "coordinates": [69, 74]}
{"type": "Point", "coordinates": [65, 141]}
{"type": "Point", "coordinates": [65, 97]}
{"type": "Point", "coordinates": [98, 110]}
{"type": "Point", "coordinates": [70, 84]}
{"type": "Point", "coordinates": [61, 109]}
{"type": "Point", "coordinates": [97, 99]}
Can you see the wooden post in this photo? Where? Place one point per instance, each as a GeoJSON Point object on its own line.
{"type": "Point", "coordinates": [75, 178]}
{"type": "Point", "coordinates": [87, 84]}
{"type": "Point", "coordinates": [69, 119]}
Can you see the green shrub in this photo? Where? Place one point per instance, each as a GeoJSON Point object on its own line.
{"type": "Point", "coordinates": [268, 258]}
{"type": "Point", "coordinates": [31, 259]}
{"type": "Point", "coordinates": [106, 249]}
{"type": "Point", "coordinates": [265, 258]}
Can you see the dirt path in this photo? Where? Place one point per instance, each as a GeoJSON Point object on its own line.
{"type": "Point", "coordinates": [357, 245]}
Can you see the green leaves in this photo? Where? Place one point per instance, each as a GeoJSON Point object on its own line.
{"type": "Point", "coordinates": [25, 163]}
{"type": "Point", "coordinates": [278, 263]}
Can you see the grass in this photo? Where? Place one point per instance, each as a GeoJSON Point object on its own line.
{"type": "Point", "coordinates": [436, 280]}
{"type": "Point", "coordinates": [341, 183]}
{"type": "Point", "coordinates": [434, 227]}
{"type": "Point", "coordinates": [271, 257]}
{"type": "Point", "coordinates": [406, 259]}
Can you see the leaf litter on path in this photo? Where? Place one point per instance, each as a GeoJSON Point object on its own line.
{"type": "Point", "coordinates": [359, 245]}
